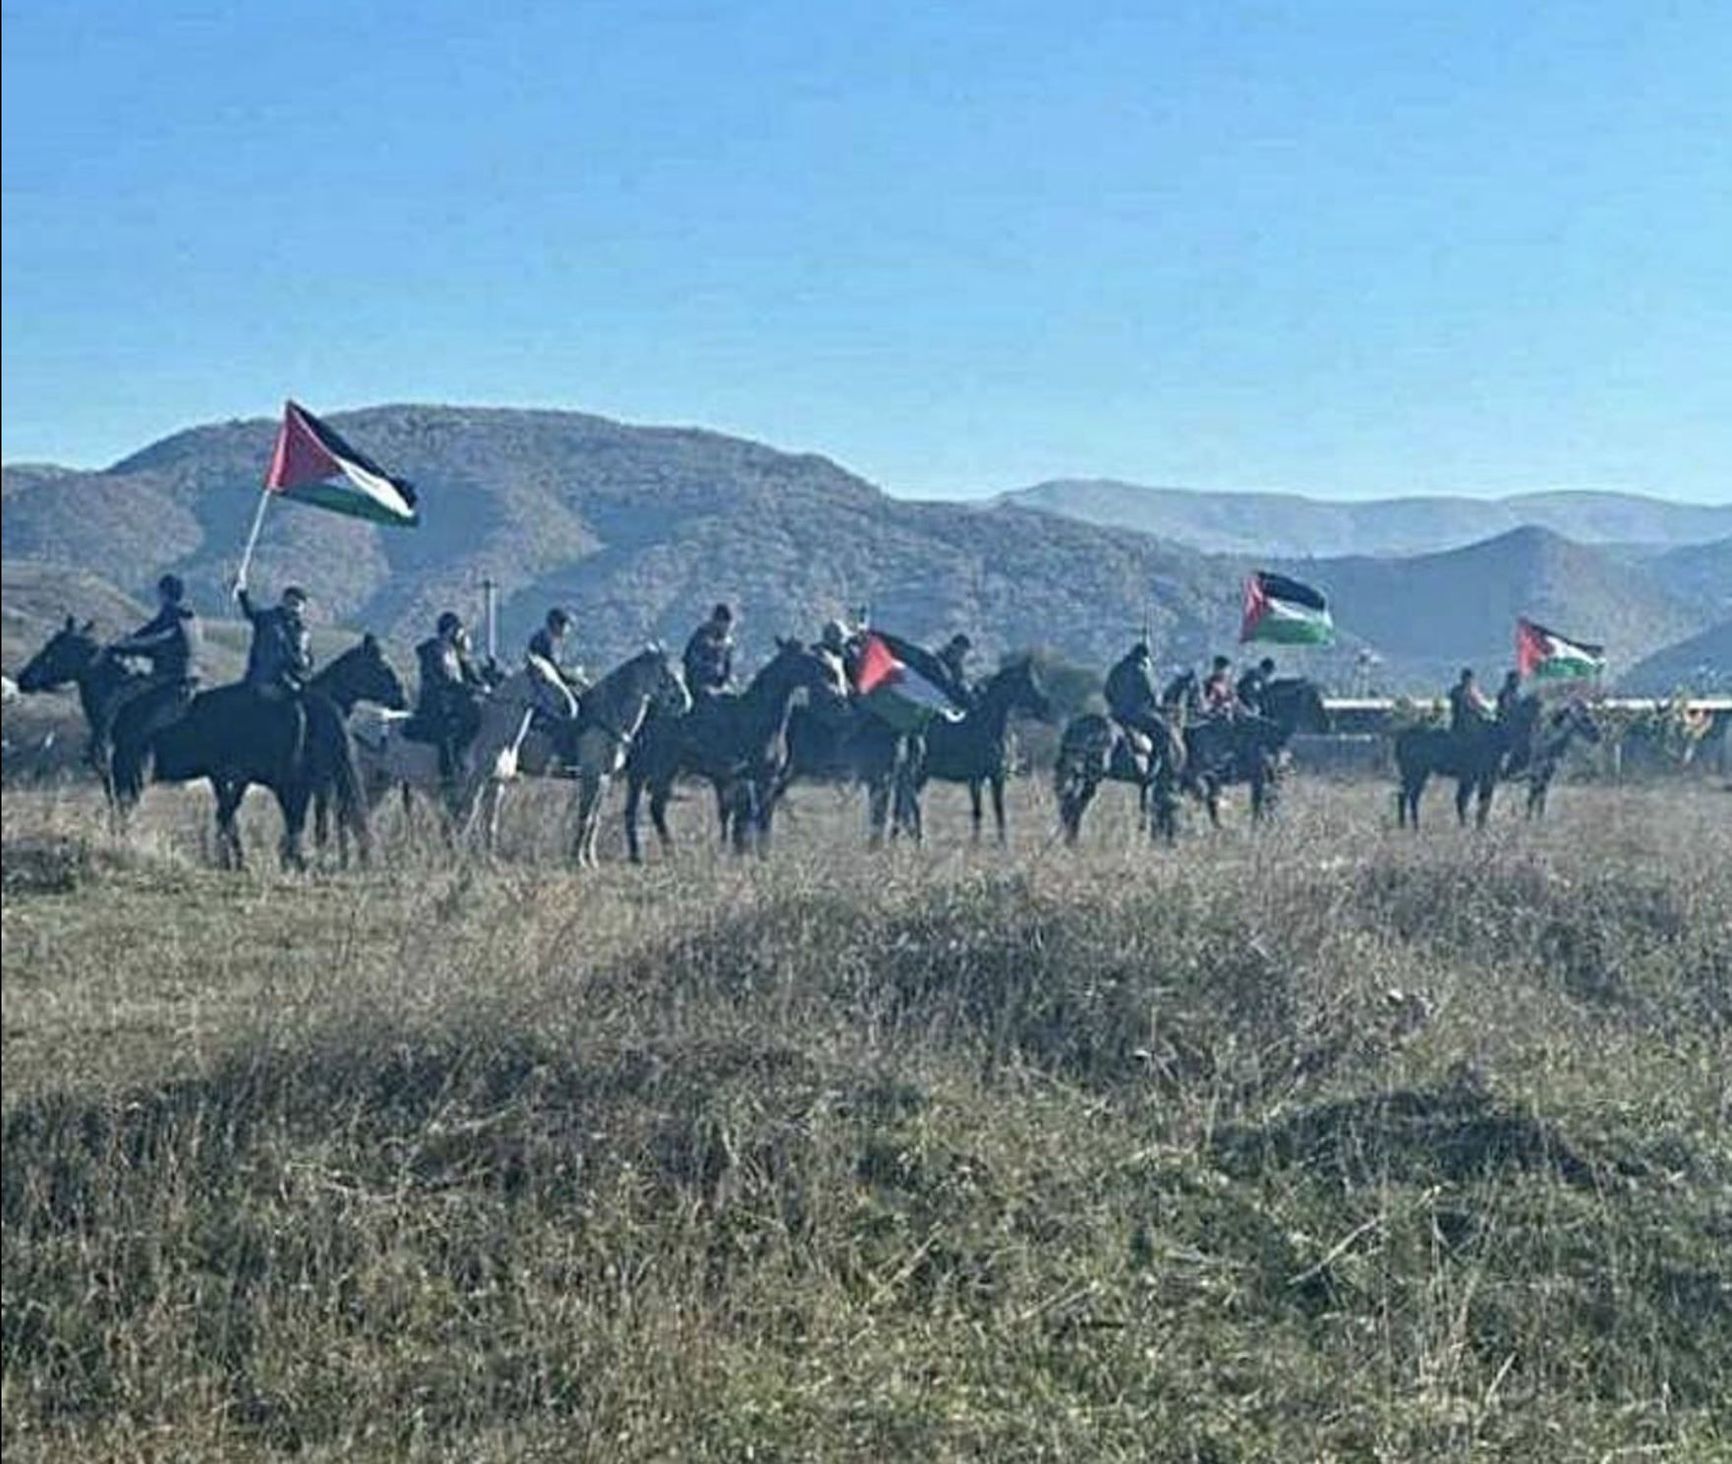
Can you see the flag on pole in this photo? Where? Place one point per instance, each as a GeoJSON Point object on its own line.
{"type": "Point", "coordinates": [1544, 655]}
{"type": "Point", "coordinates": [312, 464]}
{"type": "Point", "coordinates": [1285, 611]}
{"type": "Point", "coordinates": [903, 696]}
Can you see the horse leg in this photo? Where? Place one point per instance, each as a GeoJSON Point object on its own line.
{"type": "Point", "coordinates": [230, 854]}
{"type": "Point", "coordinates": [1487, 786]}
{"type": "Point", "coordinates": [633, 796]}
{"type": "Point", "coordinates": [660, 792]}
{"type": "Point", "coordinates": [877, 811]}
{"type": "Point", "coordinates": [997, 785]}
{"type": "Point", "coordinates": [589, 819]}
{"type": "Point", "coordinates": [294, 809]}
{"type": "Point", "coordinates": [976, 812]}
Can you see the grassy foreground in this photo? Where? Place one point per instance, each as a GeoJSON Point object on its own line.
{"type": "Point", "coordinates": [1327, 1144]}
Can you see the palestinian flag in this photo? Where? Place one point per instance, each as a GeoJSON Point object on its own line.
{"type": "Point", "coordinates": [312, 464]}
{"type": "Point", "coordinates": [1544, 655]}
{"type": "Point", "coordinates": [1285, 611]}
{"type": "Point", "coordinates": [891, 682]}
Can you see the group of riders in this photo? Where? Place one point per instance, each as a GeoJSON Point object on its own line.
{"type": "Point", "coordinates": [454, 682]}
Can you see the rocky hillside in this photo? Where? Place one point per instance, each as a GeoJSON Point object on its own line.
{"type": "Point", "coordinates": [640, 529]}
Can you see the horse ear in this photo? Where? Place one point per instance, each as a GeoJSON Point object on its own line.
{"type": "Point", "coordinates": [71, 624]}
{"type": "Point", "coordinates": [369, 642]}
{"type": "Point", "coordinates": [89, 627]}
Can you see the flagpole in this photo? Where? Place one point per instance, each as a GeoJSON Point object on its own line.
{"type": "Point", "coordinates": [252, 539]}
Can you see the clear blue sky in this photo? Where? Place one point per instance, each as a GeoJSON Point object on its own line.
{"type": "Point", "coordinates": [1342, 248]}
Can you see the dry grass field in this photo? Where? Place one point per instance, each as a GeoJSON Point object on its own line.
{"type": "Point", "coordinates": [1323, 1143]}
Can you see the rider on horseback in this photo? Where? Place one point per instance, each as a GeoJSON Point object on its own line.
{"type": "Point", "coordinates": [1508, 695]}
{"type": "Point", "coordinates": [1130, 692]}
{"type": "Point", "coordinates": [709, 654]}
{"type": "Point", "coordinates": [1254, 685]}
{"type": "Point", "coordinates": [1219, 697]}
{"type": "Point", "coordinates": [1469, 712]}
{"type": "Point", "coordinates": [545, 652]}
{"type": "Point", "coordinates": [953, 657]}
{"type": "Point", "coordinates": [171, 641]}
{"type": "Point", "coordinates": [448, 713]}
{"type": "Point", "coordinates": [280, 659]}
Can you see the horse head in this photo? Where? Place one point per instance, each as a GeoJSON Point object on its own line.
{"type": "Point", "coordinates": [1026, 692]}
{"type": "Point", "coordinates": [66, 656]}
{"type": "Point", "coordinates": [362, 674]}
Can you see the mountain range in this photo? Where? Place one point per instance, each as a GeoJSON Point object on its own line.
{"type": "Point", "coordinates": [639, 529]}
{"type": "Point", "coordinates": [1294, 526]}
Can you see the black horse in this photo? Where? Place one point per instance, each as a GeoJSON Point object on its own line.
{"type": "Point", "coordinates": [845, 745]}
{"type": "Point", "coordinates": [738, 743]}
{"type": "Point", "coordinates": [229, 734]}
{"type": "Point", "coordinates": [360, 674]}
{"type": "Point", "coordinates": [1475, 754]}
{"type": "Point", "coordinates": [1095, 749]}
{"type": "Point", "coordinates": [1248, 748]}
{"type": "Point", "coordinates": [975, 750]}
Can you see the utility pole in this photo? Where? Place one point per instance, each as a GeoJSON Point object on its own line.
{"type": "Point", "coordinates": [490, 616]}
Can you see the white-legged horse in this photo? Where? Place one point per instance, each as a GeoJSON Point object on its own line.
{"type": "Point", "coordinates": [388, 759]}
{"type": "Point", "coordinates": [610, 716]}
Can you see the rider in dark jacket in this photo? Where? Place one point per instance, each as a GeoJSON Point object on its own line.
{"type": "Point", "coordinates": [1508, 695]}
{"type": "Point", "coordinates": [172, 641]}
{"type": "Point", "coordinates": [280, 659]}
{"type": "Point", "coordinates": [1130, 691]}
{"type": "Point", "coordinates": [709, 654]}
{"type": "Point", "coordinates": [448, 712]}
{"type": "Point", "coordinates": [953, 656]}
{"type": "Point", "coordinates": [1468, 709]}
{"type": "Point", "coordinates": [1254, 684]}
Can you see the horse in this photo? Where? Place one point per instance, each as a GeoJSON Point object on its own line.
{"type": "Point", "coordinates": [1248, 748]}
{"type": "Point", "coordinates": [846, 744]}
{"type": "Point", "coordinates": [360, 675]}
{"type": "Point", "coordinates": [612, 715]}
{"type": "Point", "coordinates": [1474, 754]}
{"type": "Point", "coordinates": [739, 743]}
{"type": "Point", "coordinates": [975, 750]}
{"type": "Point", "coordinates": [229, 734]}
{"type": "Point", "coordinates": [1549, 742]}
{"type": "Point", "coordinates": [1096, 749]}
{"type": "Point", "coordinates": [74, 656]}
{"type": "Point", "coordinates": [389, 759]}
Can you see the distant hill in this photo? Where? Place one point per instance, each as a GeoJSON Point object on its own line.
{"type": "Point", "coordinates": [1291, 525]}
{"type": "Point", "coordinates": [637, 529]}
{"type": "Point", "coordinates": [1427, 615]}
{"type": "Point", "coordinates": [640, 529]}
{"type": "Point", "coordinates": [1702, 663]}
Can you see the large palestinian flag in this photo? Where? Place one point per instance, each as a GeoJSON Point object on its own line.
{"type": "Point", "coordinates": [1285, 611]}
{"type": "Point", "coordinates": [1544, 655]}
{"type": "Point", "coordinates": [312, 464]}
{"type": "Point", "coordinates": [901, 683]}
